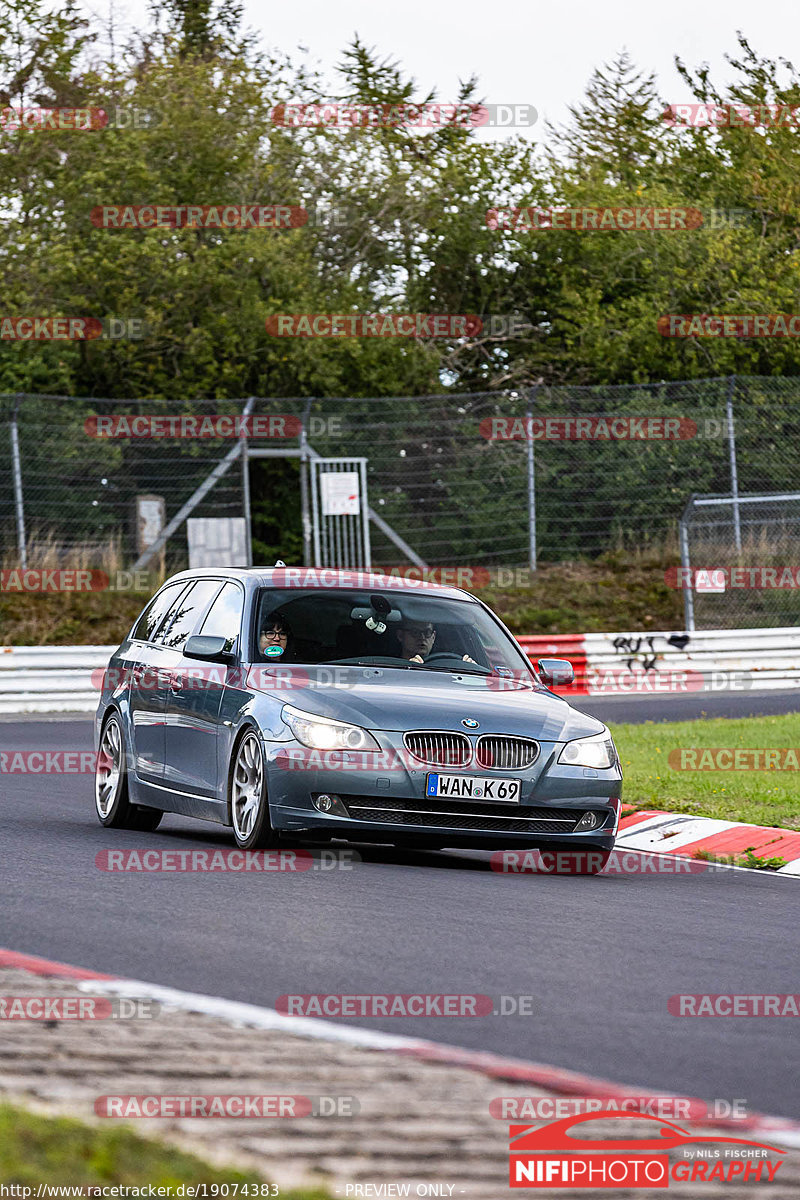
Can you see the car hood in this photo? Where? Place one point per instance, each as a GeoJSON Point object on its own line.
{"type": "Point", "coordinates": [401, 700]}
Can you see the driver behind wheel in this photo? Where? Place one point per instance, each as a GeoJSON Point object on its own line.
{"type": "Point", "coordinates": [417, 639]}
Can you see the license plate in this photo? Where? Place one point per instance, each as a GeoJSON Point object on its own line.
{"type": "Point", "coordinates": [474, 787]}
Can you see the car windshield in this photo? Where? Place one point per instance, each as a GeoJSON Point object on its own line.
{"type": "Point", "coordinates": [384, 628]}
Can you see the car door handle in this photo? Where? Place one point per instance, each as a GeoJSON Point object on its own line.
{"type": "Point", "coordinates": [176, 683]}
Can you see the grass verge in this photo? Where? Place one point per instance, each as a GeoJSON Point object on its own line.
{"type": "Point", "coordinates": [68, 618]}
{"type": "Point", "coordinates": [37, 1149]}
{"type": "Point", "coordinates": [757, 797]}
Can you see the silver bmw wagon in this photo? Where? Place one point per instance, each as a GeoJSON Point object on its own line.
{"type": "Point", "coordinates": [290, 702]}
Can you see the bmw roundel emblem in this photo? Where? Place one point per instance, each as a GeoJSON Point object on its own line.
{"type": "Point", "coordinates": [470, 723]}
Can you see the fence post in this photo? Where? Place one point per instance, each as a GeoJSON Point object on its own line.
{"type": "Point", "coordinates": [531, 481]}
{"type": "Point", "coordinates": [737, 527]}
{"type": "Point", "coordinates": [688, 592]}
{"type": "Point", "coordinates": [304, 508]}
{"type": "Point", "coordinates": [18, 495]}
{"type": "Point", "coordinates": [248, 524]}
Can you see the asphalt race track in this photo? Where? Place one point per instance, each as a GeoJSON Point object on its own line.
{"type": "Point", "coordinates": [689, 707]}
{"type": "Point", "coordinates": [599, 956]}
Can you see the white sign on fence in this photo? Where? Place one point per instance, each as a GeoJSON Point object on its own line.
{"type": "Point", "coordinates": [340, 494]}
{"type": "Point", "coordinates": [217, 541]}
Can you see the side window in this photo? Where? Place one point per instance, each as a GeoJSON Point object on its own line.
{"type": "Point", "coordinates": [224, 618]}
{"type": "Point", "coordinates": [186, 613]}
{"type": "Point", "coordinates": [150, 619]}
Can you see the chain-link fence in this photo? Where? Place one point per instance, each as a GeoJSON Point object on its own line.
{"type": "Point", "coordinates": [740, 566]}
{"type": "Point", "coordinates": [494, 478]}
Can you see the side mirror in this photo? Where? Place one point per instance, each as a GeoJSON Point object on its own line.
{"type": "Point", "coordinates": [209, 649]}
{"type": "Point", "coordinates": [553, 672]}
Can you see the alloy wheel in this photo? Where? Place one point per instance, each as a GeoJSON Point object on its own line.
{"type": "Point", "coordinates": [248, 780]}
{"type": "Point", "coordinates": [108, 771]}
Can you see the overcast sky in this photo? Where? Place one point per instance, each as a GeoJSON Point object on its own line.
{"type": "Point", "coordinates": [524, 51]}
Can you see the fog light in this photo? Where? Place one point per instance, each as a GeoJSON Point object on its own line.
{"type": "Point", "coordinates": [589, 820]}
{"type": "Point", "coordinates": [329, 804]}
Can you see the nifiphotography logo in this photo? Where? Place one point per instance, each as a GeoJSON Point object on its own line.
{"type": "Point", "coordinates": [551, 1156]}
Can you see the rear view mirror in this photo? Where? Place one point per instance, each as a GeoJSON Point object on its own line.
{"type": "Point", "coordinates": [555, 672]}
{"type": "Point", "coordinates": [209, 649]}
{"type": "Point", "coordinates": [391, 616]}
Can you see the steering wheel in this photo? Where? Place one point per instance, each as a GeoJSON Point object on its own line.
{"type": "Point", "coordinates": [441, 654]}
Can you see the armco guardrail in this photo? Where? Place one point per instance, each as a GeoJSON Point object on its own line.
{"type": "Point", "coordinates": [59, 678]}
{"type": "Point", "coordinates": [50, 678]}
{"type": "Point", "coordinates": [658, 661]}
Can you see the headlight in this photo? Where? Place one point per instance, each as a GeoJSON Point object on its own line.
{"type": "Point", "coordinates": [598, 751]}
{"type": "Point", "coordinates": [320, 733]}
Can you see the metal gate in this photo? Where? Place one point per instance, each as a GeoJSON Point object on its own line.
{"type": "Point", "coordinates": [340, 512]}
{"type": "Point", "coordinates": [738, 561]}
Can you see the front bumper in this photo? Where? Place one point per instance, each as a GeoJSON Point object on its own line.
{"type": "Point", "coordinates": [391, 805]}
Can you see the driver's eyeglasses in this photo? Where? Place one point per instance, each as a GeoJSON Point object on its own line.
{"type": "Point", "coordinates": [275, 633]}
{"type": "Point", "coordinates": [427, 632]}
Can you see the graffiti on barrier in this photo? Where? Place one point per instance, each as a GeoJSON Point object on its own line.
{"type": "Point", "coordinates": [641, 651]}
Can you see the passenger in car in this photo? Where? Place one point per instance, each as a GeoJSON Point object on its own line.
{"type": "Point", "coordinates": [276, 632]}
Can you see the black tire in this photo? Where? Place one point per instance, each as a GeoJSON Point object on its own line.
{"type": "Point", "coordinates": [112, 805]}
{"type": "Point", "coordinates": [247, 794]}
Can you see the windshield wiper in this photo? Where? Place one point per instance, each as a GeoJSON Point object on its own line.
{"type": "Point", "coordinates": [350, 662]}
{"type": "Point", "coordinates": [448, 670]}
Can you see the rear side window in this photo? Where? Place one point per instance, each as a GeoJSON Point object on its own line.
{"type": "Point", "coordinates": [187, 612]}
{"type": "Point", "coordinates": [224, 618]}
{"type": "Point", "coordinates": [151, 618]}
